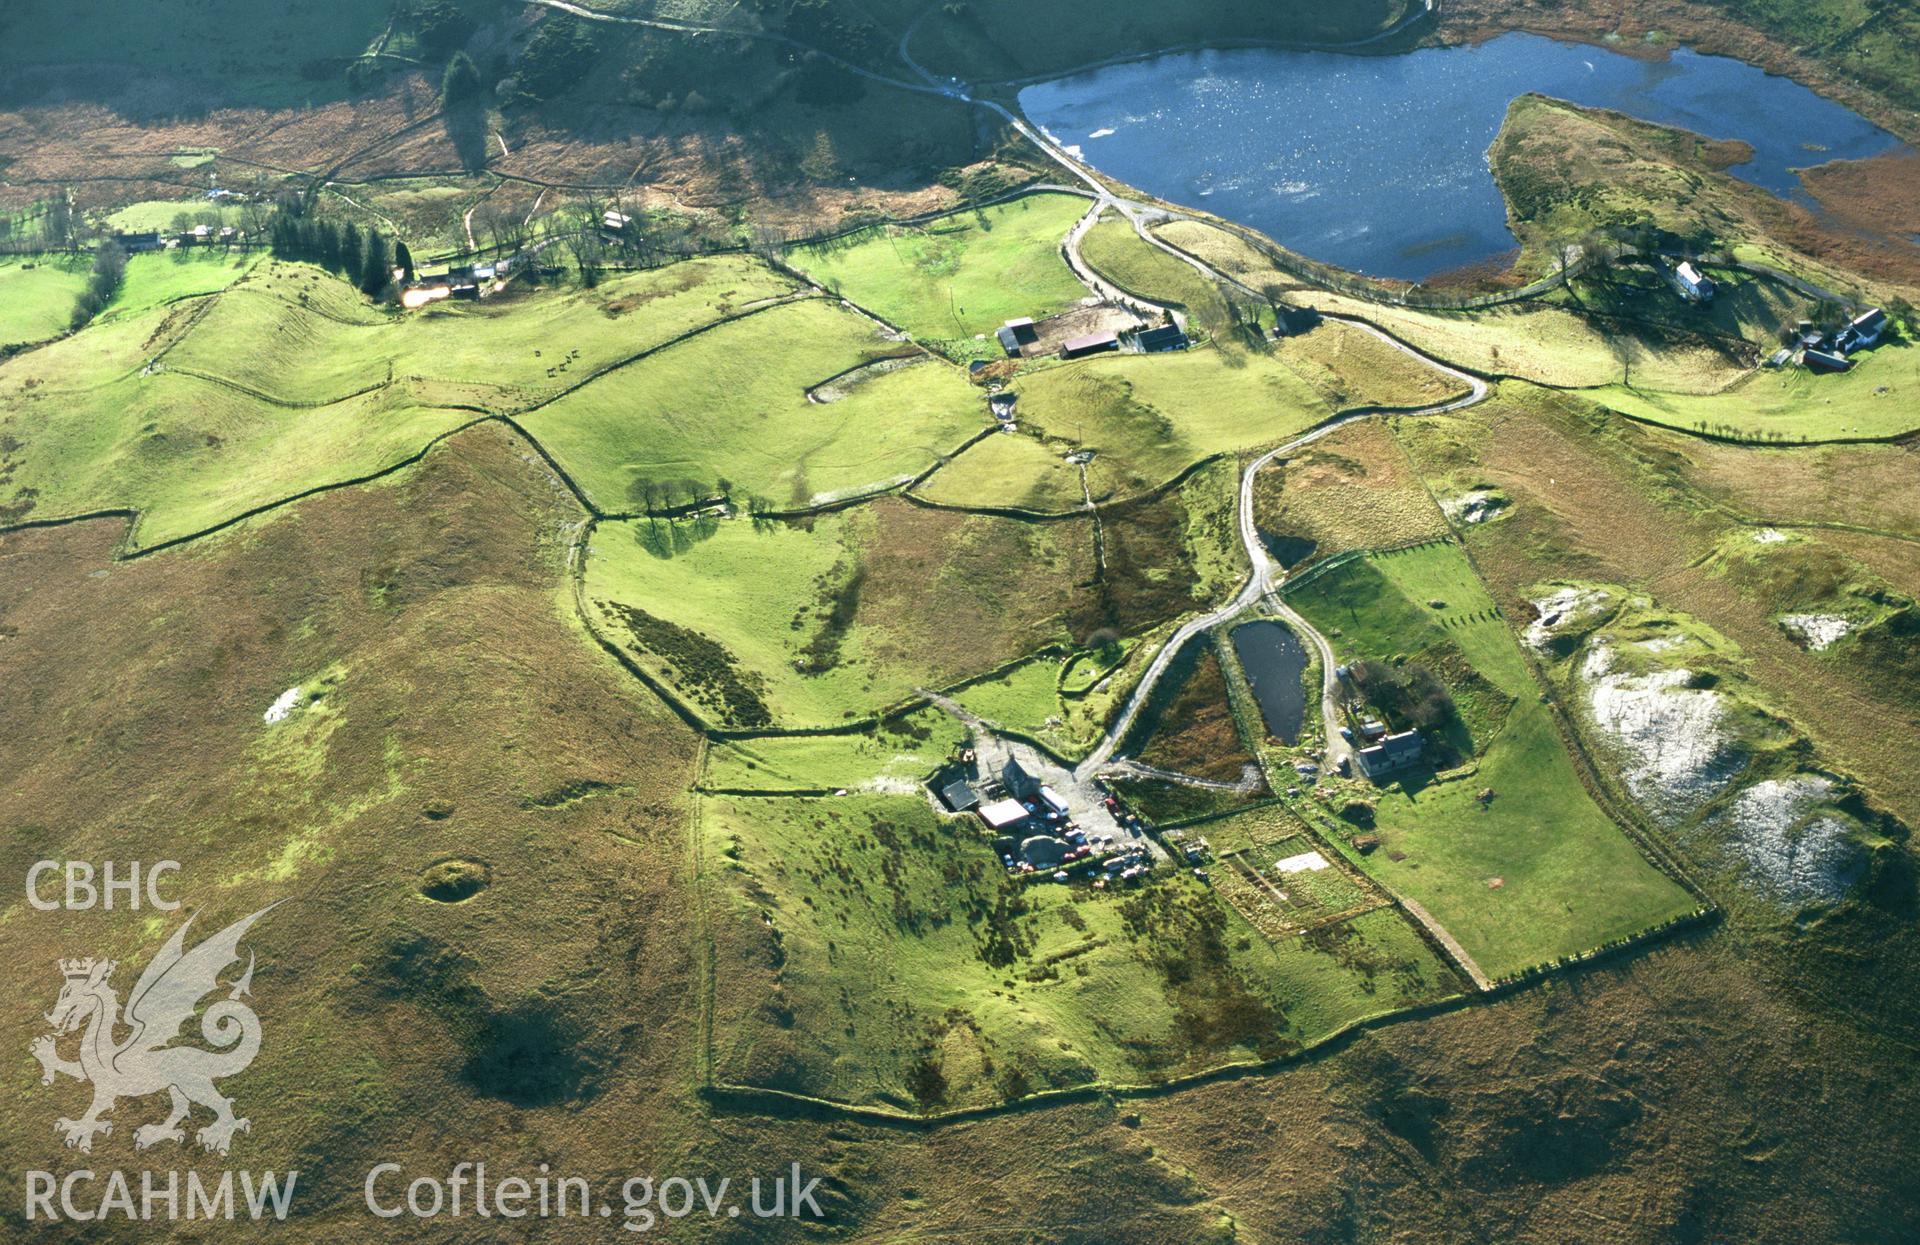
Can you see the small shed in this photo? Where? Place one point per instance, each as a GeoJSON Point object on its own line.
{"type": "Point", "coordinates": [959, 795]}
{"type": "Point", "coordinates": [1089, 343]}
{"type": "Point", "coordinates": [1002, 814]}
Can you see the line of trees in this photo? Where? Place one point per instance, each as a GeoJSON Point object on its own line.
{"type": "Point", "coordinates": [366, 259]}
{"type": "Point", "coordinates": [109, 272]}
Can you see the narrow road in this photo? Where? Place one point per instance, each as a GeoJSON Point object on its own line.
{"type": "Point", "coordinates": [1261, 582]}
{"type": "Point", "coordinates": [1102, 288]}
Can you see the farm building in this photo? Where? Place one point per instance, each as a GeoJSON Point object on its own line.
{"type": "Point", "coordinates": [1293, 321]}
{"type": "Point", "coordinates": [1392, 754]}
{"type": "Point", "coordinates": [959, 795]}
{"type": "Point", "coordinates": [1160, 340]}
{"type": "Point", "coordinates": [1862, 332]}
{"type": "Point", "coordinates": [1019, 783]}
{"type": "Point", "coordinates": [1002, 814]}
{"type": "Point", "coordinates": [1695, 286]}
{"type": "Point", "coordinates": [1088, 344]}
{"type": "Point", "coordinates": [1826, 360]}
{"type": "Point", "coordinates": [135, 243]}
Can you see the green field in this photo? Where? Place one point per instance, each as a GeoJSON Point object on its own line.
{"type": "Point", "coordinates": [1017, 470]}
{"type": "Point", "coordinates": [1146, 418]}
{"type": "Point", "coordinates": [162, 215]}
{"type": "Point", "coordinates": [1568, 879]}
{"type": "Point", "coordinates": [192, 410]}
{"type": "Point", "coordinates": [508, 354]}
{"type": "Point", "coordinates": [958, 276]}
{"type": "Point", "coordinates": [1116, 252]}
{"type": "Point", "coordinates": [1065, 703]}
{"type": "Point", "coordinates": [733, 403]}
{"type": "Point", "coordinates": [1879, 397]}
{"type": "Point", "coordinates": [814, 623]}
{"type": "Point", "coordinates": [37, 293]}
{"type": "Point", "coordinates": [895, 757]}
{"type": "Point", "coordinates": [912, 974]}
{"type": "Point", "coordinates": [158, 279]}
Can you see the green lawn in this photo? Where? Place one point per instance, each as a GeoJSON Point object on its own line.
{"type": "Point", "coordinates": [1538, 872]}
{"type": "Point", "coordinates": [1146, 418]}
{"type": "Point", "coordinates": [896, 757]}
{"type": "Point", "coordinates": [37, 293]}
{"type": "Point", "coordinates": [158, 278]}
{"type": "Point", "coordinates": [1879, 397]}
{"type": "Point", "coordinates": [734, 403]}
{"type": "Point", "coordinates": [913, 974]}
{"type": "Point", "coordinates": [161, 215]}
{"type": "Point", "coordinates": [292, 380]}
{"type": "Point", "coordinates": [815, 623]}
{"type": "Point", "coordinates": [1116, 252]}
{"type": "Point", "coordinates": [961, 275]}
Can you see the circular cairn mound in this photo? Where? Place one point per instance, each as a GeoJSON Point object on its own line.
{"type": "Point", "coordinates": [454, 881]}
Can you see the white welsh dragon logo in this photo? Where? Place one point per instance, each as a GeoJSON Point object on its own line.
{"type": "Point", "coordinates": [163, 1000]}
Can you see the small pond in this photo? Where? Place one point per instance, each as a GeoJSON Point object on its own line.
{"type": "Point", "coordinates": [1275, 661]}
{"type": "Point", "coordinates": [1378, 163]}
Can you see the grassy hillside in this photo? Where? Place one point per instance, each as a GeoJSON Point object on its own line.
{"type": "Point", "coordinates": [280, 57]}
{"type": "Point", "coordinates": [958, 276]}
{"type": "Point", "coordinates": [36, 297]}
{"type": "Point", "coordinates": [744, 403]}
{"type": "Point", "coordinates": [1145, 418]}
{"type": "Point", "coordinates": [1538, 870]}
{"type": "Point", "coordinates": [1686, 525]}
{"type": "Point", "coordinates": [868, 950]}
{"type": "Point", "coordinates": [193, 408]}
{"type": "Point", "coordinates": [818, 621]}
{"type": "Point", "coordinates": [1116, 252]}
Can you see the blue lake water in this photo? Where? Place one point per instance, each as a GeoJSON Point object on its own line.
{"type": "Point", "coordinates": [1379, 163]}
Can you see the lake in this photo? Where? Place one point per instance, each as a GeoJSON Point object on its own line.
{"type": "Point", "coordinates": [1379, 163]}
{"type": "Point", "coordinates": [1274, 660]}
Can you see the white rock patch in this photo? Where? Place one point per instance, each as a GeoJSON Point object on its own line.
{"type": "Point", "coordinates": [1673, 745]}
{"type": "Point", "coordinates": [1801, 860]}
{"type": "Point", "coordinates": [1817, 631]}
{"type": "Point", "coordinates": [1565, 607]}
{"type": "Point", "coordinates": [1475, 507]}
{"type": "Point", "coordinates": [287, 702]}
{"type": "Point", "coordinates": [1769, 536]}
